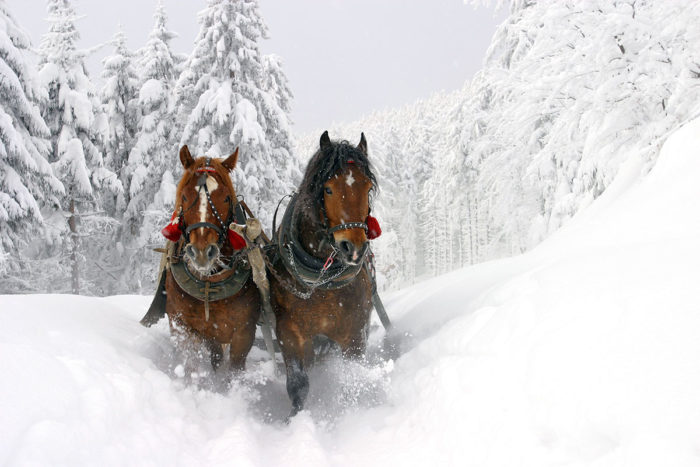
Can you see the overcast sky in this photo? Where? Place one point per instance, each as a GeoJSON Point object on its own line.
{"type": "Point", "coordinates": [343, 58]}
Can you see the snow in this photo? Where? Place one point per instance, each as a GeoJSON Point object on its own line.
{"type": "Point", "coordinates": [580, 352]}
{"type": "Point", "coordinates": [152, 91]}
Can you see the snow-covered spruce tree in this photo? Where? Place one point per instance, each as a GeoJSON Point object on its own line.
{"type": "Point", "coordinates": [227, 100]}
{"type": "Point", "coordinates": [119, 105]}
{"type": "Point", "coordinates": [569, 92]}
{"type": "Point", "coordinates": [26, 178]}
{"type": "Point", "coordinates": [69, 110]}
{"type": "Point", "coordinates": [150, 164]}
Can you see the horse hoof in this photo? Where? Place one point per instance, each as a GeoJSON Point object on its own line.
{"type": "Point", "coordinates": [292, 413]}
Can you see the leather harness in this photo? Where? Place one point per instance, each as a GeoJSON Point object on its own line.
{"type": "Point", "coordinates": [226, 283]}
{"type": "Point", "coordinates": [305, 268]}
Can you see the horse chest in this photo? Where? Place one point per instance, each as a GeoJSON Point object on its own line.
{"type": "Point", "coordinates": [340, 314]}
{"type": "Point", "coordinates": [227, 317]}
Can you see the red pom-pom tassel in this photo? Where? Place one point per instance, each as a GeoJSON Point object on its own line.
{"type": "Point", "coordinates": [172, 231]}
{"type": "Point", "coordinates": [373, 229]}
{"type": "Point", "coordinates": [236, 241]}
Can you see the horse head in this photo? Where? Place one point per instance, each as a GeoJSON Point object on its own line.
{"type": "Point", "coordinates": [343, 181]}
{"type": "Point", "coordinates": [205, 202]}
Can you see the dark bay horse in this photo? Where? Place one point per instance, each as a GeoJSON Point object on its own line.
{"type": "Point", "coordinates": [210, 297]}
{"type": "Point", "coordinates": [321, 280]}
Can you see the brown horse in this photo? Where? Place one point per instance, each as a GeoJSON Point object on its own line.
{"type": "Point", "coordinates": [210, 297]}
{"type": "Point", "coordinates": [321, 280]}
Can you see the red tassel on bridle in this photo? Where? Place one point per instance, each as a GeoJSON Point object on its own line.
{"type": "Point", "coordinates": [172, 231]}
{"type": "Point", "coordinates": [236, 241]}
{"type": "Point", "coordinates": [373, 229]}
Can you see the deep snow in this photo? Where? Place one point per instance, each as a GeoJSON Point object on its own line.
{"type": "Point", "coordinates": [581, 352]}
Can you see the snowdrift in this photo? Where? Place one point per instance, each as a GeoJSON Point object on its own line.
{"type": "Point", "coordinates": [581, 352]}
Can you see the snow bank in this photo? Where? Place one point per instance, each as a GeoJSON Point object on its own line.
{"type": "Point", "coordinates": [582, 352]}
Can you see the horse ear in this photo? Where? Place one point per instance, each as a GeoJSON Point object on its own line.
{"type": "Point", "coordinates": [363, 144]}
{"type": "Point", "coordinates": [185, 157]}
{"type": "Point", "coordinates": [325, 141]}
{"type": "Point", "coordinates": [230, 162]}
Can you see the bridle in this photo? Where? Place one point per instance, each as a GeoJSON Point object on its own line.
{"type": "Point", "coordinates": [328, 231]}
{"type": "Point", "coordinates": [220, 230]}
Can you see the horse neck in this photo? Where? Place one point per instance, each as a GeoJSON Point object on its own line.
{"type": "Point", "coordinates": [307, 229]}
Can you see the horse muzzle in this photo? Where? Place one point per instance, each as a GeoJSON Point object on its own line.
{"type": "Point", "coordinates": [202, 260]}
{"type": "Point", "coordinates": [350, 254]}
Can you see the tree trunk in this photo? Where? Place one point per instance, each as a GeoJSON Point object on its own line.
{"type": "Point", "coordinates": [72, 225]}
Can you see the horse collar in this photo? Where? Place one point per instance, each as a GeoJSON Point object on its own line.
{"type": "Point", "coordinates": [306, 268]}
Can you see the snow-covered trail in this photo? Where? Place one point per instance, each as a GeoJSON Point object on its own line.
{"type": "Point", "coordinates": [581, 352]}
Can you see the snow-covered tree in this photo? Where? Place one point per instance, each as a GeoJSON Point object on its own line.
{"type": "Point", "coordinates": [26, 178]}
{"type": "Point", "coordinates": [569, 90]}
{"type": "Point", "coordinates": [230, 95]}
{"type": "Point", "coordinates": [69, 110]}
{"type": "Point", "coordinates": [153, 156]}
{"type": "Point", "coordinates": [119, 105]}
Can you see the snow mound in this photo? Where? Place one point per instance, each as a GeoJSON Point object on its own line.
{"type": "Point", "coordinates": [581, 352]}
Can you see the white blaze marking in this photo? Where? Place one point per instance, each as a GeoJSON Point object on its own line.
{"type": "Point", "coordinates": [349, 179]}
{"type": "Point", "coordinates": [203, 203]}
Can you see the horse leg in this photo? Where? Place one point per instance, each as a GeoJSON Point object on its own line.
{"type": "Point", "coordinates": [297, 384]}
{"type": "Point", "coordinates": [323, 346]}
{"type": "Point", "coordinates": [190, 344]}
{"type": "Point", "coordinates": [241, 344]}
{"type": "Point", "coordinates": [293, 349]}
{"type": "Point", "coordinates": [216, 353]}
{"type": "Point", "coordinates": [356, 348]}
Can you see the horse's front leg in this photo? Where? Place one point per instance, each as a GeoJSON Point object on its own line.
{"type": "Point", "coordinates": [297, 384]}
{"type": "Point", "coordinates": [190, 344]}
{"type": "Point", "coordinates": [241, 343]}
{"type": "Point", "coordinates": [293, 349]}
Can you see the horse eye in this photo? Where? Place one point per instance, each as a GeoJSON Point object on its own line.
{"type": "Point", "coordinates": [329, 191]}
{"type": "Point", "coordinates": [184, 198]}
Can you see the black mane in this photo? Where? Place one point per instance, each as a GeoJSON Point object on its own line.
{"type": "Point", "coordinates": [322, 166]}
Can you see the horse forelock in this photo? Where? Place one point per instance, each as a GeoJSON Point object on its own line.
{"type": "Point", "coordinates": [190, 176]}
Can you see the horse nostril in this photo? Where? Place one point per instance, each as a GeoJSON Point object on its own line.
{"type": "Point", "coordinates": [212, 251]}
{"type": "Point", "coordinates": [189, 251]}
{"type": "Point", "coordinates": [346, 247]}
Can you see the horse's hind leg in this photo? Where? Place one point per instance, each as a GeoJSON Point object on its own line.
{"type": "Point", "coordinates": [356, 348]}
{"type": "Point", "coordinates": [216, 353]}
{"type": "Point", "coordinates": [323, 347]}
